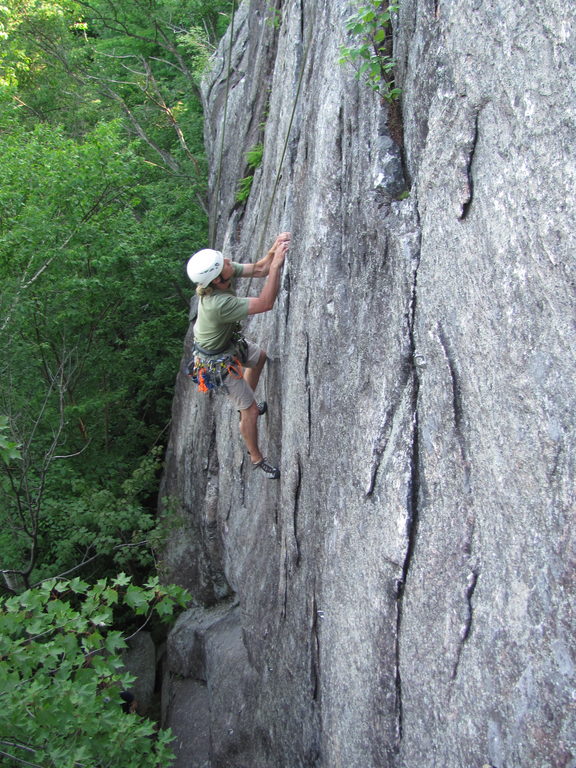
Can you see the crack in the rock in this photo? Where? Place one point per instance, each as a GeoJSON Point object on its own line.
{"type": "Point", "coordinates": [466, 627]}
{"type": "Point", "coordinates": [460, 432]}
{"type": "Point", "coordinates": [285, 600]}
{"type": "Point", "coordinates": [242, 483]}
{"type": "Point", "coordinates": [315, 651]}
{"type": "Point", "coordinates": [296, 508]}
{"type": "Point", "coordinates": [469, 184]}
{"type": "Point", "coordinates": [339, 134]}
{"type": "Point", "coordinates": [413, 495]}
{"type": "Point", "coordinates": [308, 388]}
{"type": "Point", "coordinates": [411, 534]}
{"type": "Point", "coordinates": [303, 48]}
{"type": "Point", "coordinates": [381, 443]}
{"type": "Point", "coordinates": [412, 501]}
{"type": "Point", "coordinates": [286, 293]}
{"type": "Point", "coordinates": [457, 403]}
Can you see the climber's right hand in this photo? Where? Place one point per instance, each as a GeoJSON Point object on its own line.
{"type": "Point", "coordinates": [282, 238]}
{"type": "Point", "coordinates": [280, 254]}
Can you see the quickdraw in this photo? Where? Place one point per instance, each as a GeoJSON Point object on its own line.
{"type": "Point", "coordinates": [211, 374]}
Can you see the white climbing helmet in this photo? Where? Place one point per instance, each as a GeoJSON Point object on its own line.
{"type": "Point", "coordinates": [204, 266]}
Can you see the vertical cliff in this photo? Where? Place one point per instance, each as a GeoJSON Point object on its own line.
{"type": "Point", "coordinates": [404, 595]}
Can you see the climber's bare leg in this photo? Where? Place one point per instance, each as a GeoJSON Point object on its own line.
{"type": "Point", "coordinates": [249, 427]}
{"type": "Point", "coordinates": [252, 375]}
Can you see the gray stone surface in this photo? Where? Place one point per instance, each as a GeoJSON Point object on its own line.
{"type": "Point", "coordinates": [406, 590]}
{"type": "Point", "coordinates": [186, 643]}
{"type": "Point", "coordinates": [140, 660]}
{"type": "Point", "coordinates": [208, 689]}
{"type": "Point", "coordinates": [189, 717]}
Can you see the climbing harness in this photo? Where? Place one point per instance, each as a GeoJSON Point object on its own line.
{"type": "Point", "coordinates": [209, 370]}
{"type": "Point", "coordinates": [209, 374]}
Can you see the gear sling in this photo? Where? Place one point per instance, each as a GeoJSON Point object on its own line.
{"type": "Point", "coordinates": [209, 369]}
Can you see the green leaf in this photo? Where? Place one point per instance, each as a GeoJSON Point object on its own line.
{"type": "Point", "coordinates": [122, 580]}
{"type": "Point", "coordinates": [368, 28]}
{"type": "Point", "coordinates": [137, 599]}
{"type": "Point", "coordinates": [165, 607]}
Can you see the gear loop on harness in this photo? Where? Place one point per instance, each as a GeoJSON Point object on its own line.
{"type": "Point", "coordinates": [210, 369]}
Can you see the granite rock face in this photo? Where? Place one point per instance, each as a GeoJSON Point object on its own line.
{"type": "Point", "coordinates": [404, 595]}
{"type": "Point", "coordinates": [140, 661]}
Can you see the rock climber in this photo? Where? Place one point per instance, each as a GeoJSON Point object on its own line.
{"type": "Point", "coordinates": [218, 343]}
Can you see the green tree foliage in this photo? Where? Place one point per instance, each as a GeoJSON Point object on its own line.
{"type": "Point", "coordinates": [8, 448]}
{"type": "Point", "coordinates": [370, 50]}
{"type": "Point", "coordinates": [102, 187]}
{"type": "Point", "coordinates": [61, 675]}
{"type": "Point", "coordinates": [253, 161]}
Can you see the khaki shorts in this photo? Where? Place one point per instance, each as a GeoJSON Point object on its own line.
{"type": "Point", "coordinates": [238, 389]}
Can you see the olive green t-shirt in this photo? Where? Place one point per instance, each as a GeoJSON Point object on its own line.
{"type": "Point", "coordinates": [218, 316]}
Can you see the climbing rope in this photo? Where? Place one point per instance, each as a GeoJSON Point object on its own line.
{"type": "Point", "coordinates": [264, 228]}
{"type": "Point", "coordinates": [212, 233]}
{"type": "Point", "coordinates": [278, 175]}
{"type": "Point", "coordinates": [285, 146]}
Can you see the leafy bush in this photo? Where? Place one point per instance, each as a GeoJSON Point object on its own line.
{"type": "Point", "coordinates": [370, 29]}
{"type": "Point", "coordinates": [61, 675]}
{"type": "Point", "coordinates": [253, 160]}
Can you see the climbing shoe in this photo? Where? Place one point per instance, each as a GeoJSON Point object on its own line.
{"type": "Point", "coordinates": [273, 473]}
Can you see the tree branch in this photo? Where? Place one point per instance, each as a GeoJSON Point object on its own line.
{"type": "Point", "coordinates": [19, 759]}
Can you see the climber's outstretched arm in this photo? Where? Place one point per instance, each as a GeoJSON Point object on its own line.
{"type": "Point", "coordinates": [265, 301]}
{"type": "Point", "coordinates": [262, 267]}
